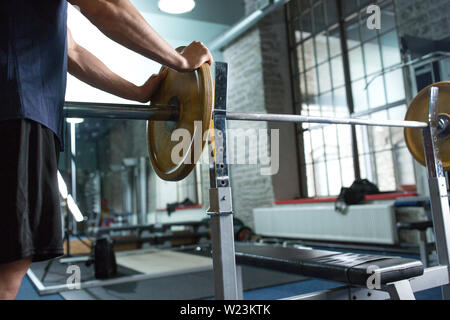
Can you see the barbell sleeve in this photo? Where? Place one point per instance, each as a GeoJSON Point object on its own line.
{"type": "Point", "coordinates": [124, 112]}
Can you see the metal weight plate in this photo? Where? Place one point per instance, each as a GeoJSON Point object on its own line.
{"type": "Point", "coordinates": [175, 147]}
{"type": "Point", "coordinates": [419, 111]}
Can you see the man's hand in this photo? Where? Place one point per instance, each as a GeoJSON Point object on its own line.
{"type": "Point", "coordinates": [151, 87]}
{"type": "Point", "coordinates": [195, 55]}
{"type": "Point", "coordinates": [121, 21]}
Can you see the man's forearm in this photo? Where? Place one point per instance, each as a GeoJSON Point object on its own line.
{"type": "Point", "coordinates": [88, 68]}
{"type": "Point", "coordinates": [120, 21]}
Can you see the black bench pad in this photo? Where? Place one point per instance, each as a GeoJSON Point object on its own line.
{"type": "Point", "coordinates": [328, 265]}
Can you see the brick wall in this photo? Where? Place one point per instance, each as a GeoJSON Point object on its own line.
{"type": "Point", "coordinates": [259, 81]}
{"type": "Point", "coordinates": [427, 19]}
{"type": "Point", "coordinates": [278, 99]}
{"type": "Point", "coordinates": [246, 94]}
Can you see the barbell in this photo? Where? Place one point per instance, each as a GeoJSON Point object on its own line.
{"type": "Point", "coordinates": [191, 95]}
{"type": "Point", "coordinates": [419, 111]}
{"type": "Point", "coordinates": [187, 99]}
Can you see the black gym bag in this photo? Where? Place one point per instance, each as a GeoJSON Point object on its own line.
{"type": "Point", "coordinates": [104, 259]}
{"type": "Point", "coordinates": [355, 194]}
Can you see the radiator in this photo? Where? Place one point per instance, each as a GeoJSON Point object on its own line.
{"type": "Point", "coordinates": [373, 223]}
{"type": "Point", "coordinates": [188, 215]}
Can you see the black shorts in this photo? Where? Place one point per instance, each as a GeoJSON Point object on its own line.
{"type": "Point", "coordinates": [30, 216]}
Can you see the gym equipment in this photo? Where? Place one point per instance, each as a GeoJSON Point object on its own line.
{"type": "Point", "coordinates": [424, 246]}
{"type": "Point", "coordinates": [226, 274]}
{"type": "Point", "coordinates": [348, 268]}
{"type": "Point", "coordinates": [418, 111]}
{"type": "Point", "coordinates": [191, 94]}
{"type": "Point", "coordinates": [185, 101]}
{"type": "Point", "coordinates": [157, 234]}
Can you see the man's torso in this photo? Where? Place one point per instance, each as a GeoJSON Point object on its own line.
{"type": "Point", "coordinates": [33, 61]}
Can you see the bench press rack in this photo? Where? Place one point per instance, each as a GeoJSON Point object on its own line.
{"type": "Point", "coordinates": [227, 275]}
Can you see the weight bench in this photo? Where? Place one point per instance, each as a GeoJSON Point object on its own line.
{"type": "Point", "coordinates": [369, 273]}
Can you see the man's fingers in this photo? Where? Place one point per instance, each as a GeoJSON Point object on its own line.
{"type": "Point", "coordinates": [197, 54]}
{"type": "Point", "coordinates": [157, 78]}
{"type": "Point", "coordinates": [163, 73]}
{"type": "Point", "coordinates": [164, 70]}
{"type": "Point", "coordinates": [211, 59]}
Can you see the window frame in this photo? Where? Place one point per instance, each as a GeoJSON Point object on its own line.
{"type": "Point", "coordinates": [299, 75]}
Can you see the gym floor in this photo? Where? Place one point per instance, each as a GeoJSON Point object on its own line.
{"type": "Point", "coordinates": [28, 292]}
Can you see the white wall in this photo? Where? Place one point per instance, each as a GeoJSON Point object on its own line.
{"type": "Point", "coordinates": [131, 66]}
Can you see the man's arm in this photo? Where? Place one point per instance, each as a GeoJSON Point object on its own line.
{"type": "Point", "coordinates": [85, 66]}
{"type": "Point", "coordinates": [121, 21]}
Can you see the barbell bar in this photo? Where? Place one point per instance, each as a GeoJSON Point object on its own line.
{"type": "Point", "coordinates": [186, 101]}
{"type": "Point", "coordinates": [171, 113]}
{"type": "Point", "coordinates": [116, 111]}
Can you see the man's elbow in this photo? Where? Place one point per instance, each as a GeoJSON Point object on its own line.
{"type": "Point", "coordinates": [73, 52]}
{"type": "Point", "coordinates": [72, 46]}
{"type": "Point", "coordinates": [72, 58]}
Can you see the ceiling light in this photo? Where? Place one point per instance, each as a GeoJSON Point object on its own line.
{"type": "Point", "coordinates": [74, 209]}
{"type": "Point", "coordinates": [62, 186]}
{"type": "Point", "coordinates": [75, 120]}
{"type": "Point", "coordinates": [176, 6]}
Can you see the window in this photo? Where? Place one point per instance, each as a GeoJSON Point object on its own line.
{"type": "Point", "coordinates": [373, 56]}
